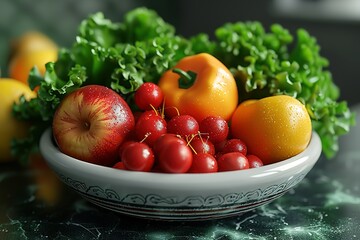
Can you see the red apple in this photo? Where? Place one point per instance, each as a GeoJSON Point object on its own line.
{"type": "Point", "coordinates": [91, 123]}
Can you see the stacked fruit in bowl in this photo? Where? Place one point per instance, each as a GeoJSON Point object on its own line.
{"type": "Point", "coordinates": [224, 160]}
{"type": "Point", "coordinates": [177, 129]}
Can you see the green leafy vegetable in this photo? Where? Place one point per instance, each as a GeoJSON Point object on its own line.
{"type": "Point", "coordinates": [123, 55]}
{"type": "Point", "coordinates": [265, 64]}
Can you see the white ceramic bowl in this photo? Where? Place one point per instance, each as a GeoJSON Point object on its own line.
{"type": "Point", "coordinates": [180, 196]}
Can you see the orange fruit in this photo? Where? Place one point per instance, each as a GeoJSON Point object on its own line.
{"type": "Point", "coordinates": [31, 41]}
{"type": "Point", "coordinates": [21, 63]}
{"type": "Point", "coordinates": [10, 92]}
{"type": "Point", "coordinates": [29, 50]}
{"type": "Point", "coordinates": [273, 128]}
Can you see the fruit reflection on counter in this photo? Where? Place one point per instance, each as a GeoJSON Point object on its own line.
{"type": "Point", "coordinates": [49, 189]}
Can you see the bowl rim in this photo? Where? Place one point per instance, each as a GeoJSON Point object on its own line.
{"type": "Point", "coordinates": [299, 162]}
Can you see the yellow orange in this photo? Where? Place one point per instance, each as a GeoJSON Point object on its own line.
{"type": "Point", "coordinates": [10, 127]}
{"type": "Point", "coordinates": [21, 63]}
{"type": "Point", "coordinates": [273, 128]}
{"type": "Point", "coordinates": [29, 50]}
{"type": "Point", "coordinates": [32, 41]}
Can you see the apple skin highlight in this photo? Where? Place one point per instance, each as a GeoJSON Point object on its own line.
{"type": "Point", "coordinates": [91, 123]}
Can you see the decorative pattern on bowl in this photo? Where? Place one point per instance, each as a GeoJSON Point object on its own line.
{"type": "Point", "coordinates": [180, 196]}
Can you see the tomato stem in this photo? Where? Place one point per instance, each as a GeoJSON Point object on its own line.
{"type": "Point", "coordinates": [189, 143]}
{"type": "Point", "coordinates": [145, 137]}
{"type": "Point", "coordinates": [163, 109]}
{"type": "Point", "coordinates": [154, 109]}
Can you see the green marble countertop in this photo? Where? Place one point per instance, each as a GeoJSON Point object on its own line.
{"type": "Point", "coordinates": [34, 204]}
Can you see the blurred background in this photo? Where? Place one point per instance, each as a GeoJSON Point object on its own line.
{"type": "Point", "coordinates": [335, 24]}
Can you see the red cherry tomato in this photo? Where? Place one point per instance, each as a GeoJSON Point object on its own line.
{"type": "Point", "coordinates": [145, 114]}
{"type": "Point", "coordinates": [254, 161]}
{"type": "Point", "coordinates": [175, 157]}
{"type": "Point", "coordinates": [232, 161]}
{"type": "Point", "coordinates": [201, 145]}
{"type": "Point", "coordinates": [164, 140]}
{"type": "Point", "coordinates": [119, 165]}
{"type": "Point", "coordinates": [137, 157]}
{"type": "Point", "coordinates": [216, 127]}
{"type": "Point", "coordinates": [235, 145]}
{"type": "Point", "coordinates": [219, 146]}
{"type": "Point", "coordinates": [148, 129]}
{"type": "Point", "coordinates": [124, 145]}
{"type": "Point", "coordinates": [184, 125]}
{"type": "Point", "coordinates": [148, 96]}
{"type": "Point", "coordinates": [203, 163]}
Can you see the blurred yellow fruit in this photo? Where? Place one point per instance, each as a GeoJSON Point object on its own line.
{"type": "Point", "coordinates": [29, 50]}
{"type": "Point", "coordinates": [21, 63]}
{"type": "Point", "coordinates": [31, 41]}
{"type": "Point", "coordinates": [10, 128]}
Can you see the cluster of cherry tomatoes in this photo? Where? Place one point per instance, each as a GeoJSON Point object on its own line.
{"type": "Point", "coordinates": [180, 144]}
